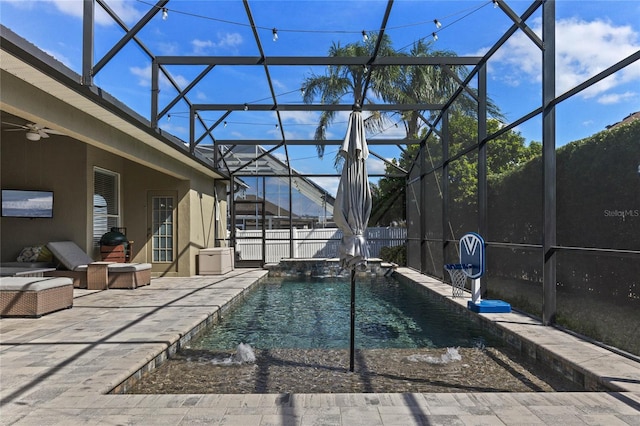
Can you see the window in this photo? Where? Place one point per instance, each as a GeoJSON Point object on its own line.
{"type": "Point", "coordinates": [106, 202]}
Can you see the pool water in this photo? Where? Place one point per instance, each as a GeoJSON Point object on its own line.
{"type": "Point", "coordinates": [305, 314]}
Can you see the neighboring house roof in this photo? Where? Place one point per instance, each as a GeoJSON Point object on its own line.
{"type": "Point", "coordinates": [270, 208]}
{"type": "Point", "coordinates": [268, 165]}
{"type": "Point", "coordinates": [629, 118]}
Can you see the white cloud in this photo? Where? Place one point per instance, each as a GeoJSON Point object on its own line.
{"type": "Point", "coordinates": [225, 41]}
{"type": "Point", "coordinates": [583, 49]}
{"type": "Point", "coordinates": [280, 156]}
{"type": "Point", "coordinates": [615, 98]}
{"type": "Point", "coordinates": [274, 131]}
{"type": "Point", "coordinates": [229, 40]}
{"type": "Point", "coordinates": [278, 84]}
{"type": "Point", "coordinates": [168, 48]}
{"type": "Point", "coordinates": [392, 132]}
{"type": "Point", "coordinates": [179, 79]}
{"type": "Point", "coordinates": [300, 117]}
{"type": "Point", "coordinates": [144, 78]}
{"type": "Point", "coordinates": [173, 128]}
{"type": "Point", "coordinates": [200, 46]}
{"type": "Point", "coordinates": [22, 4]}
{"type": "Point", "coordinates": [143, 74]}
{"type": "Point", "coordinates": [375, 166]}
{"type": "Point", "coordinates": [125, 9]}
{"type": "Point", "coordinates": [329, 184]}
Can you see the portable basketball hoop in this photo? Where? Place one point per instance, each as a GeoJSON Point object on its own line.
{"type": "Point", "coordinates": [459, 273]}
{"type": "Point", "coordinates": [472, 266]}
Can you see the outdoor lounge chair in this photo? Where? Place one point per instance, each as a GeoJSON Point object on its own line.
{"type": "Point", "coordinates": [82, 269]}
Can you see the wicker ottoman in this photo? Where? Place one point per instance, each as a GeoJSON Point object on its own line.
{"type": "Point", "coordinates": [34, 296]}
{"type": "Point", "coordinates": [129, 275]}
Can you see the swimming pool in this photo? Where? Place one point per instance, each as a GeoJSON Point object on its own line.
{"type": "Point", "coordinates": [446, 351]}
{"type": "Point", "coordinates": [314, 314]}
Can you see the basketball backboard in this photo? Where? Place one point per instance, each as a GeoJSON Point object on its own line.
{"type": "Point", "coordinates": [472, 252]}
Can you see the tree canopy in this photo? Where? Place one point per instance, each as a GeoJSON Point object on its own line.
{"type": "Point", "coordinates": [414, 85]}
{"type": "Point", "coordinates": [349, 81]}
{"type": "Point", "coordinates": [505, 153]}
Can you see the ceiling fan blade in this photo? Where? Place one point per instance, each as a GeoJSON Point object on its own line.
{"type": "Point", "coordinates": [14, 130]}
{"type": "Point", "coordinates": [16, 125]}
{"type": "Point", "coordinates": [43, 134]}
{"type": "Point", "coordinates": [52, 132]}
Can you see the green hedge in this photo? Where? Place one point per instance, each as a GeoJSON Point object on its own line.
{"type": "Point", "coordinates": [598, 206]}
{"type": "Point", "coordinates": [395, 254]}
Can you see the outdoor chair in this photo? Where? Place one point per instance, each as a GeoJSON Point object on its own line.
{"type": "Point", "coordinates": [86, 273]}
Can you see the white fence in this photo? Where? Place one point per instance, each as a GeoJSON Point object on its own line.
{"type": "Point", "coordinates": [309, 243]}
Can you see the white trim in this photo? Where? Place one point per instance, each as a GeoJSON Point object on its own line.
{"type": "Point", "coordinates": [118, 215]}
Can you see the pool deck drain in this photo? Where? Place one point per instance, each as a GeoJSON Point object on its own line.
{"type": "Point", "coordinates": [59, 369]}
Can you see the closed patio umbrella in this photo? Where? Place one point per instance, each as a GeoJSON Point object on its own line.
{"type": "Point", "coordinates": [352, 207]}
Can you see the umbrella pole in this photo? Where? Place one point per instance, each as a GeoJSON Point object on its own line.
{"type": "Point", "coordinates": [353, 320]}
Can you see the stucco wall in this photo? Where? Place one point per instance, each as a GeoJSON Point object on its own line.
{"type": "Point", "coordinates": [65, 166]}
{"type": "Point", "coordinates": [49, 164]}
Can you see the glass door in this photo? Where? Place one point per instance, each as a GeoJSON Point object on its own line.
{"type": "Point", "coordinates": [162, 232]}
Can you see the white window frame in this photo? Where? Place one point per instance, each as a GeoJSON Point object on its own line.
{"type": "Point", "coordinates": [111, 218]}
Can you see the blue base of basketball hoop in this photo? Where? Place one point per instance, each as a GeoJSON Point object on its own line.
{"type": "Point", "coordinates": [489, 307]}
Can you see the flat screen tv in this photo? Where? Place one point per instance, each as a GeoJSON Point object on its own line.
{"type": "Point", "coordinates": [27, 203]}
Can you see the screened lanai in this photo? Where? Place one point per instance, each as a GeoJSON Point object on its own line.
{"type": "Point", "coordinates": [512, 119]}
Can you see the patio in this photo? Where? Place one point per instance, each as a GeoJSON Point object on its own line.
{"type": "Point", "coordinates": [58, 369]}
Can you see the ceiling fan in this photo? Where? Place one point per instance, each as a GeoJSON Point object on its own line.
{"type": "Point", "coordinates": [34, 131]}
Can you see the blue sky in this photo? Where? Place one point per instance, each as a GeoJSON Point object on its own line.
{"type": "Point", "coordinates": [591, 36]}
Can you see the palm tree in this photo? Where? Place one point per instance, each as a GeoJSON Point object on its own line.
{"type": "Point", "coordinates": [420, 85]}
{"type": "Point", "coordinates": [430, 84]}
{"type": "Point", "coordinates": [342, 81]}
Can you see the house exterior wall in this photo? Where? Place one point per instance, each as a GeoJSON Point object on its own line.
{"type": "Point", "coordinates": [65, 164]}
{"type": "Point", "coordinates": [44, 165]}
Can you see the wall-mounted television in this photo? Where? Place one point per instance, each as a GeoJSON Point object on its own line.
{"type": "Point", "coordinates": [27, 203]}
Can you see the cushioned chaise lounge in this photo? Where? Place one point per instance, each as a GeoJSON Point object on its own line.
{"type": "Point", "coordinates": [81, 267]}
{"type": "Point", "coordinates": [34, 296]}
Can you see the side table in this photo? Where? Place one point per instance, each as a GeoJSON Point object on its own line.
{"type": "Point", "coordinates": [97, 275]}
